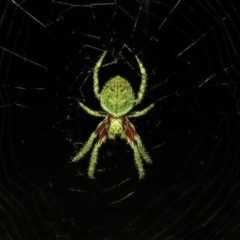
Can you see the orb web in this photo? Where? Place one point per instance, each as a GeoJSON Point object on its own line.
{"type": "Point", "coordinates": [191, 53]}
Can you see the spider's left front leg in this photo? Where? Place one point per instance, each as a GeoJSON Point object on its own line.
{"type": "Point", "coordinates": [136, 144]}
{"type": "Point", "coordinates": [138, 160]}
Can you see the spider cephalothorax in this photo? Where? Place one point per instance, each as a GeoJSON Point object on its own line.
{"type": "Point", "coordinates": [116, 99]}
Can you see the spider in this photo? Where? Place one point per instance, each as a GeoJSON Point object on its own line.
{"type": "Point", "coordinates": [117, 100]}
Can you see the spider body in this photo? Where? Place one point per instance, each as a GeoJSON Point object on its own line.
{"type": "Point", "coordinates": [116, 99]}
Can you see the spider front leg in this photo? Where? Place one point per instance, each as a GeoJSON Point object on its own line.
{"type": "Point", "coordinates": [85, 148]}
{"type": "Point", "coordinates": [101, 132]}
{"type": "Point", "coordinates": [143, 152]}
{"type": "Point", "coordinates": [94, 158]}
{"type": "Point", "coordinates": [94, 155]}
{"type": "Point", "coordinates": [136, 144]}
{"type": "Point", "coordinates": [138, 161]}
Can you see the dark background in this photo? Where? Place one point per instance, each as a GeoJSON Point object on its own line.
{"type": "Point", "coordinates": [191, 52]}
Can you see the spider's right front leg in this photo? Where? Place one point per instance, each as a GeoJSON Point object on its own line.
{"type": "Point", "coordinates": [85, 148]}
{"type": "Point", "coordinates": [94, 158]}
{"type": "Point", "coordinates": [101, 131]}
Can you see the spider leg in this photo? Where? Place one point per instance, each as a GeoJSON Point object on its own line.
{"type": "Point", "coordinates": [94, 157]}
{"type": "Point", "coordinates": [136, 144]}
{"type": "Point", "coordinates": [142, 150]}
{"type": "Point", "coordinates": [95, 75]}
{"type": "Point", "coordinates": [101, 131]}
{"type": "Point", "coordinates": [91, 112]}
{"type": "Point", "coordinates": [85, 148]}
{"type": "Point", "coordinates": [142, 112]}
{"type": "Point", "coordinates": [143, 83]}
{"type": "Point", "coordinates": [138, 160]}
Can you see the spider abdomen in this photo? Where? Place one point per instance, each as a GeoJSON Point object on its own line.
{"type": "Point", "coordinates": [117, 97]}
